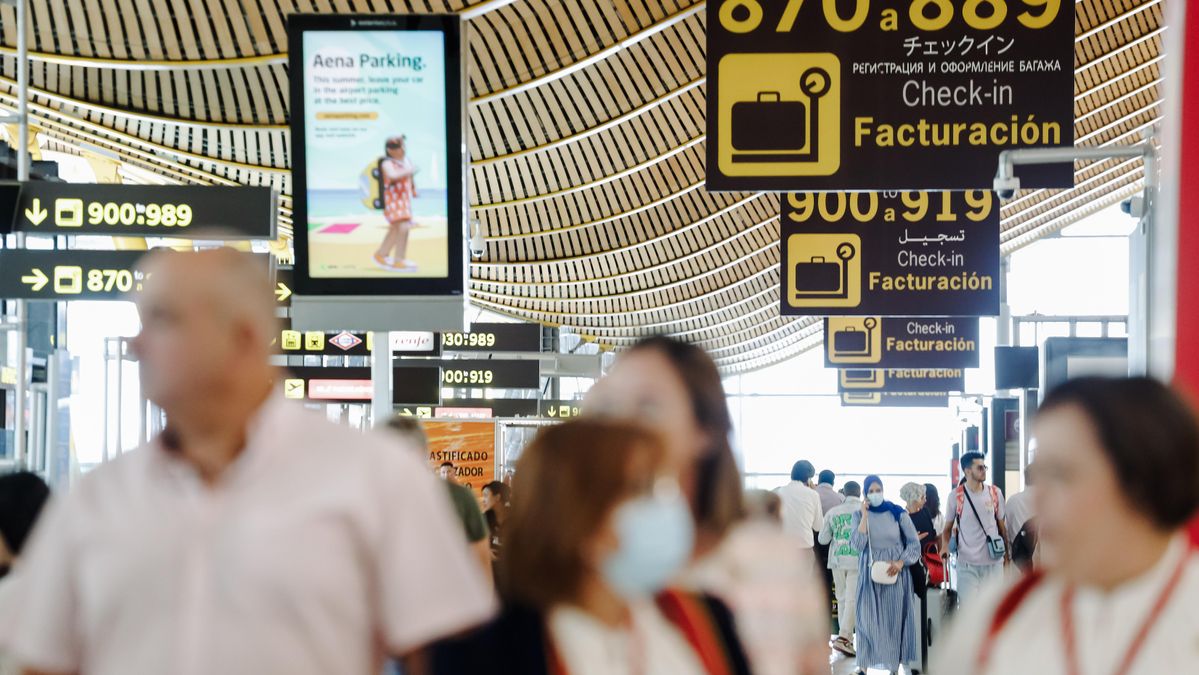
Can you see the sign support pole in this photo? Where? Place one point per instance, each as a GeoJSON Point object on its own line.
{"type": "Point", "coordinates": [22, 152]}
{"type": "Point", "coordinates": [380, 377]}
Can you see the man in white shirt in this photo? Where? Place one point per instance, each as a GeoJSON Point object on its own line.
{"type": "Point", "coordinates": [843, 560]}
{"type": "Point", "coordinates": [975, 515]}
{"type": "Point", "coordinates": [251, 536]}
{"type": "Point", "coordinates": [802, 514]}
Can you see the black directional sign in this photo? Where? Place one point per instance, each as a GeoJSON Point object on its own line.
{"type": "Point", "coordinates": [902, 380]}
{"type": "Point", "coordinates": [176, 211]}
{"type": "Point", "coordinates": [494, 337]}
{"type": "Point", "coordinates": [884, 399]}
{"type": "Point", "coordinates": [900, 342]}
{"type": "Point", "coordinates": [69, 275]}
{"type": "Point", "coordinates": [885, 94]}
{"type": "Point", "coordinates": [890, 253]}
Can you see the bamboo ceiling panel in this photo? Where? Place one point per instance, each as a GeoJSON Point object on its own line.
{"type": "Point", "coordinates": [586, 133]}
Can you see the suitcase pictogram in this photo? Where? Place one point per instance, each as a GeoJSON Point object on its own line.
{"type": "Point", "coordinates": [819, 278]}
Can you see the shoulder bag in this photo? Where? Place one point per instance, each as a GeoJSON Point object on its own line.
{"type": "Point", "coordinates": [879, 569]}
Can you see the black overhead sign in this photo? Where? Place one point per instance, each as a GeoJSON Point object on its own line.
{"type": "Point", "coordinates": [885, 95]}
{"type": "Point", "coordinates": [283, 286]}
{"type": "Point", "coordinates": [884, 399]}
{"type": "Point", "coordinates": [494, 337]}
{"type": "Point", "coordinates": [419, 385]}
{"type": "Point", "coordinates": [175, 211]}
{"type": "Point", "coordinates": [500, 407]}
{"type": "Point", "coordinates": [890, 253]}
{"type": "Point", "coordinates": [902, 380]}
{"type": "Point", "coordinates": [69, 274]}
{"type": "Point", "coordinates": [493, 373]}
{"type": "Point", "coordinates": [900, 342]}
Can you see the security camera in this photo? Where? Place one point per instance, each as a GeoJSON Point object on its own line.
{"type": "Point", "coordinates": [478, 245]}
{"type": "Point", "coordinates": [1006, 186]}
{"type": "Point", "coordinates": [1134, 206]}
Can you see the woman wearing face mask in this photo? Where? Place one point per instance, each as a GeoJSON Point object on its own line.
{"type": "Point", "coordinates": [596, 531]}
{"type": "Point", "coordinates": [1118, 589]}
{"type": "Point", "coordinates": [674, 389]}
{"type": "Point", "coordinates": [884, 535]}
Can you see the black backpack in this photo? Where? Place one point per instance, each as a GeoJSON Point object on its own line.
{"type": "Point", "coordinates": [1025, 544]}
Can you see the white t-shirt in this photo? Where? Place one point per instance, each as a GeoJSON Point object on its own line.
{"type": "Point", "coordinates": [590, 647]}
{"type": "Point", "coordinates": [1019, 511]}
{"type": "Point", "coordinates": [802, 514]}
{"type": "Point", "coordinates": [319, 550]}
{"type": "Point", "coordinates": [972, 539]}
{"type": "Point", "coordinates": [1105, 625]}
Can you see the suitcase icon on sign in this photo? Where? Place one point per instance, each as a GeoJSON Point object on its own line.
{"type": "Point", "coordinates": [770, 129]}
{"type": "Point", "coordinates": [850, 341]}
{"type": "Point", "coordinates": [818, 278]}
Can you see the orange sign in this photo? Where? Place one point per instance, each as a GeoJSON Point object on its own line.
{"type": "Point", "coordinates": [469, 445]}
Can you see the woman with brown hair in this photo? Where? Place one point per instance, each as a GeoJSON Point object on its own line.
{"type": "Point", "coordinates": [674, 389]}
{"type": "Point", "coordinates": [596, 531]}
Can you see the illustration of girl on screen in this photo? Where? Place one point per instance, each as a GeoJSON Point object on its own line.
{"type": "Point", "coordinates": [399, 189]}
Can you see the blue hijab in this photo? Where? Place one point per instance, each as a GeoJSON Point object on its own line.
{"type": "Point", "coordinates": [894, 509]}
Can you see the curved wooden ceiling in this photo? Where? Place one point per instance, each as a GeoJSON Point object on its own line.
{"type": "Point", "coordinates": [586, 137]}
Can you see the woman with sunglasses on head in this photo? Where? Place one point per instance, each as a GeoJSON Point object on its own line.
{"type": "Point", "coordinates": [1117, 592]}
{"type": "Point", "coordinates": [399, 189]}
{"type": "Point", "coordinates": [598, 527]}
{"type": "Point", "coordinates": [674, 389]}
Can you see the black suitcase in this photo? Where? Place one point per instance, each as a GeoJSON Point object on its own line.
{"type": "Point", "coordinates": [817, 276]}
{"type": "Point", "coordinates": [857, 375]}
{"type": "Point", "coordinates": [849, 340]}
{"type": "Point", "coordinates": [770, 124]}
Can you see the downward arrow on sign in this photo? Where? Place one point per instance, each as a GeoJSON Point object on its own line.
{"type": "Point", "coordinates": [37, 214]}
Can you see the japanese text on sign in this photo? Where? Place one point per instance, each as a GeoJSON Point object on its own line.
{"type": "Point", "coordinates": [827, 95]}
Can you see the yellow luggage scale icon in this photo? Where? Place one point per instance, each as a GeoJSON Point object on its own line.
{"type": "Point", "coordinates": [824, 270]}
{"type": "Point", "coordinates": [779, 114]}
{"type": "Point", "coordinates": [853, 378]}
{"type": "Point", "coordinates": [854, 340]}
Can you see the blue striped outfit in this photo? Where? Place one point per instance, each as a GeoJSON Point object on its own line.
{"type": "Point", "coordinates": [886, 619]}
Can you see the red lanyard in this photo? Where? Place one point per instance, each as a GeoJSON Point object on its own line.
{"type": "Point", "coordinates": [1134, 649]}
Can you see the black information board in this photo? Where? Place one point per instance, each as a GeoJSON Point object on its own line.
{"type": "Point", "coordinates": [176, 211]}
{"type": "Point", "coordinates": [886, 94]}
{"type": "Point", "coordinates": [69, 274]}
{"type": "Point", "coordinates": [901, 380]}
{"type": "Point", "coordinates": [418, 385]}
{"type": "Point", "coordinates": [884, 399]}
{"type": "Point", "coordinates": [900, 342]}
{"type": "Point", "coordinates": [494, 337]}
{"type": "Point", "coordinates": [890, 253]}
{"type": "Point", "coordinates": [493, 373]}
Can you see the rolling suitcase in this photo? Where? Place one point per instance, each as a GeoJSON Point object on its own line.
{"type": "Point", "coordinates": [770, 124]}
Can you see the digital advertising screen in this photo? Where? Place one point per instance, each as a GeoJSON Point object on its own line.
{"type": "Point", "coordinates": [378, 165]}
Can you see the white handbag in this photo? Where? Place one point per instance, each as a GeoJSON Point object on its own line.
{"type": "Point", "coordinates": [880, 570]}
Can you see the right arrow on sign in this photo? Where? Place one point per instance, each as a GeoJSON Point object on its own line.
{"type": "Point", "coordinates": [36, 215]}
{"type": "Point", "coordinates": [37, 280]}
{"type": "Point", "coordinates": [282, 292]}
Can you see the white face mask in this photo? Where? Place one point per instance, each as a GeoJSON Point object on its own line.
{"type": "Point", "coordinates": [875, 499]}
{"type": "Point", "coordinates": [656, 535]}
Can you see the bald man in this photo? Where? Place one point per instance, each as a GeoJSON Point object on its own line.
{"type": "Point", "coordinates": [251, 537]}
